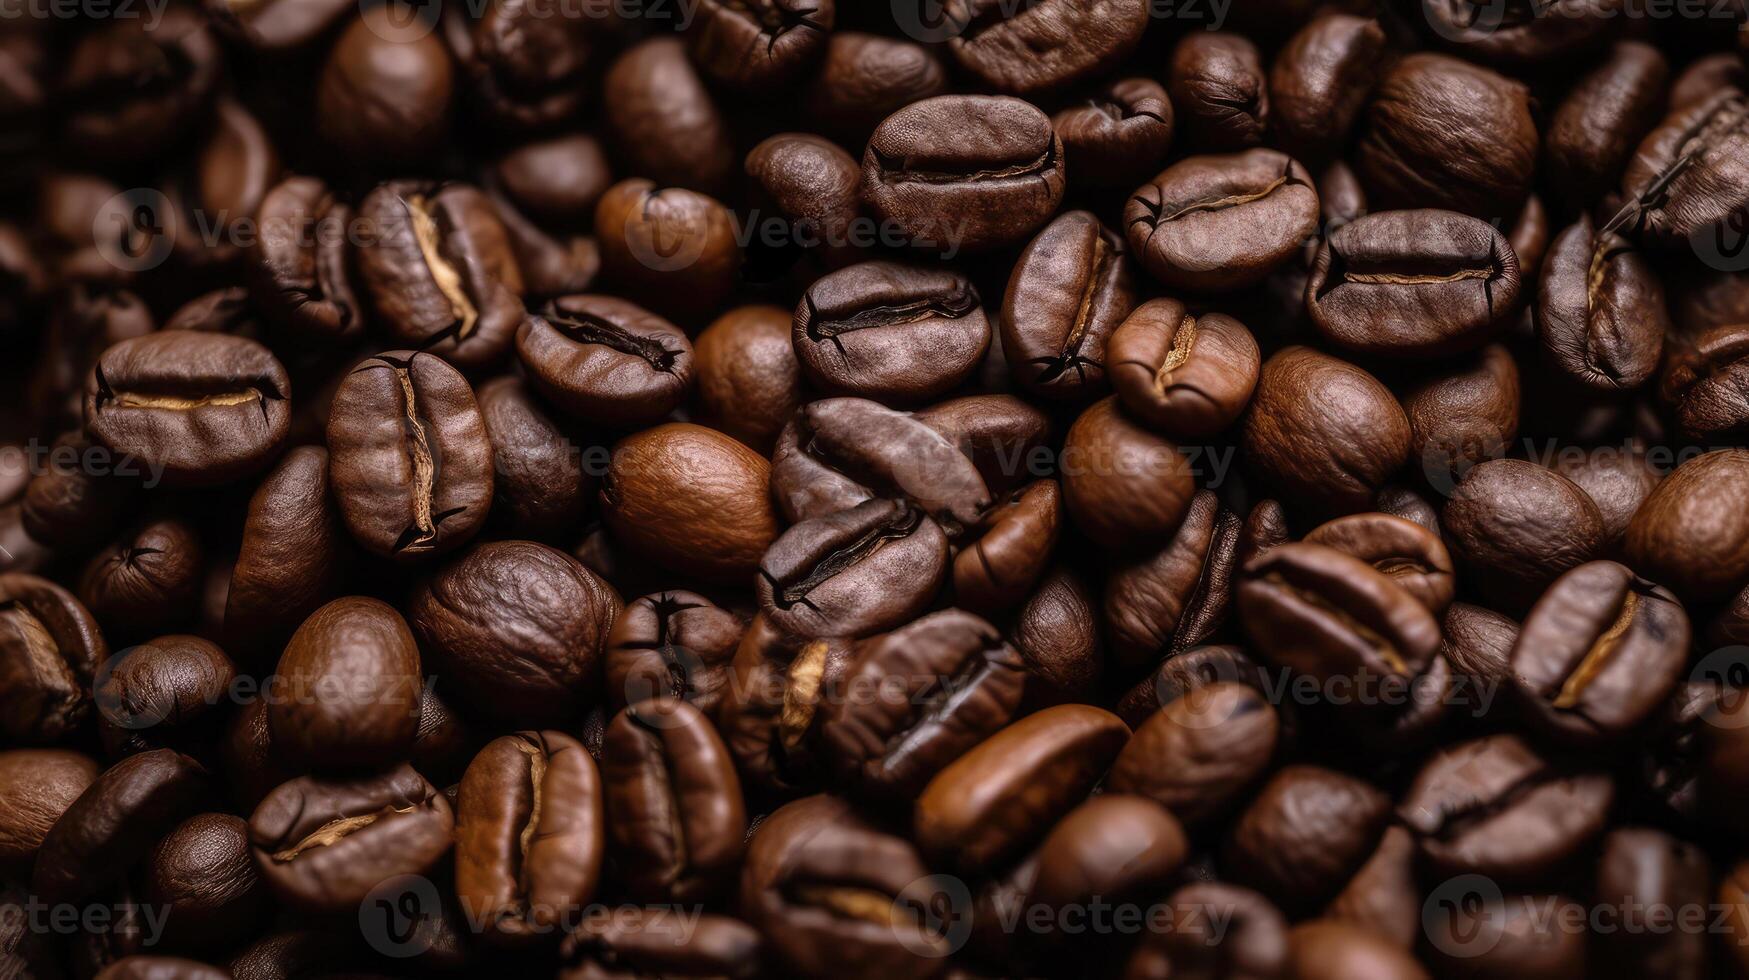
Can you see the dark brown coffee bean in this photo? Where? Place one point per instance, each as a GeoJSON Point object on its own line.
{"type": "Point", "coordinates": [349, 688]}
{"type": "Point", "coordinates": [892, 333]}
{"type": "Point", "coordinates": [1600, 651]}
{"type": "Point", "coordinates": [673, 249]}
{"type": "Point", "coordinates": [201, 877]}
{"type": "Point", "coordinates": [1071, 288]}
{"type": "Point", "coordinates": [115, 819]}
{"type": "Point", "coordinates": [168, 692]}
{"type": "Point", "coordinates": [864, 78]}
{"type": "Point", "coordinates": [515, 630]}
{"type": "Point", "coordinates": [143, 967]}
{"type": "Point", "coordinates": [1600, 312]}
{"type": "Point", "coordinates": [383, 95]}
{"type": "Point", "coordinates": [1320, 82]}
{"type": "Point", "coordinates": [1221, 223]}
{"type": "Point", "coordinates": [774, 702]}
{"type": "Point", "coordinates": [1198, 754]}
{"type": "Point", "coordinates": [199, 408]}
{"type": "Point", "coordinates": [673, 644]}
{"type": "Point", "coordinates": [1125, 487]}
{"type": "Point", "coordinates": [853, 573]}
{"type": "Point", "coordinates": [964, 172]}
{"type": "Point", "coordinates": [662, 121]}
{"type": "Point", "coordinates": [529, 822]}
{"type": "Point", "coordinates": [1114, 847]}
{"type": "Point", "coordinates": [1464, 414]}
{"type": "Point", "coordinates": [1218, 87]}
{"type": "Point", "coordinates": [749, 381]}
{"type": "Point", "coordinates": [1517, 526]}
{"type": "Point", "coordinates": [998, 570]}
{"type": "Point", "coordinates": [1494, 807]}
{"type": "Point", "coordinates": [323, 844]}
{"type": "Point", "coordinates": [292, 557]}
{"type": "Point", "coordinates": [1678, 538]}
{"type": "Point", "coordinates": [1176, 598]}
{"type": "Point", "coordinates": [1254, 943]}
{"type": "Point", "coordinates": [297, 265]}
{"type": "Point", "coordinates": [1411, 555]}
{"type": "Point", "coordinates": [1189, 377]}
{"type": "Point", "coordinates": [675, 815]}
{"type": "Point", "coordinates": [1686, 176]}
{"type": "Point", "coordinates": [525, 65]}
{"type": "Point", "coordinates": [410, 462]}
{"type": "Point", "coordinates": [606, 360]}
{"type": "Point", "coordinates": [759, 44]}
{"type": "Point", "coordinates": [1323, 949]}
{"type": "Point", "coordinates": [1649, 868]}
{"type": "Point", "coordinates": [36, 787]}
{"type": "Point", "coordinates": [1031, 773]}
{"type": "Point", "coordinates": [133, 86]}
{"type": "Point", "coordinates": [1119, 137]}
{"type": "Point", "coordinates": [439, 271]}
{"type": "Point", "coordinates": [817, 187]}
{"type": "Point", "coordinates": [148, 582]}
{"type": "Point", "coordinates": [1383, 896]}
{"type": "Point", "coordinates": [1605, 114]}
{"type": "Point", "coordinates": [277, 26]}
{"type": "Point", "coordinates": [1306, 834]}
{"type": "Point", "coordinates": [1699, 381]}
{"type": "Point", "coordinates": [918, 698]}
{"type": "Point", "coordinates": [50, 650]}
{"type": "Point", "coordinates": [541, 487]}
{"type": "Point", "coordinates": [1618, 480]}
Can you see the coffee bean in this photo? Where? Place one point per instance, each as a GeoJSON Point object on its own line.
{"type": "Point", "coordinates": [1175, 599]}
{"type": "Point", "coordinates": [36, 787]}
{"type": "Point", "coordinates": [1188, 376]}
{"type": "Point", "coordinates": [606, 360]}
{"type": "Point", "coordinates": [1218, 87]}
{"type": "Point", "coordinates": [1462, 414]}
{"type": "Point", "coordinates": [1595, 129]}
{"type": "Point", "coordinates": [1118, 138]}
{"type": "Point", "coordinates": [350, 697]}
{"type": "Point", "coordinates": [109, 826]}
{"type": "Point", "coordinates": [1125, 487]}
{"type": "Point", "coordinates": [1306, 834]}
{"type": "Point", "coordinates": [168, 692]}
{"type": "Point", "coordinates": [643, 940]}
{"type": "Point", "coordinates": [889, 332]}
{"type": "Point", "coordinates": [1199, 753]}
{"type": "Point", "coordinates": [1255, 942]}
{"type": "Point", "coordinates": [1686, 175]}
{"type": "Point", "coordinates": [1000, 568]}
{"type": "Point", "coordinates": [147, 582]}
{"type": "Point", "coordinates": [1071, 288]}
{"type": "Point", "coordinates": [201, 875]}
{"type": "Point", "coordinates": [859, 571]}
{"type": "Point", "coordinates": [510, 88]}
{"type": "Point", "coordinates": [1600, 311]}
{"type": "Point", "coordinates": [749, 381]}
{"type": "Point", "coordinates": [674, 249]}
{"type": "Point", "coordinates": [1221, 223]}
{"type": "Point", "coordinates": [540, 488]}
{"type": "Point", "coordinates": [1517, 526]}
{"type": "Point", "coordinates": [384, 91]}
{"type": "Point", "coordinates": [52, 648]}
{"type": "Point", "coordinates": [1412, 556]}
{"type": "Point", "coordinates": [760, 44]}
{"type": "Point", "coordinates": [1320, 83]}
{"type": "Point", "coordinates": [864, 78]}
{"type": "Point", "coordinates": [662, 121]}
{"type": "Point", "coordinates": [1043, 45]}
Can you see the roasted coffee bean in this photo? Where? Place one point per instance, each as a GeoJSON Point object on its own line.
{"type": "Point", "coordinates": [277, 26]}
{"type": "Point", "coordinates": [132, 804]}
{"type": "Point", "coordinates": [613, 942]}
{"type": "Point", "coordinates": [772, 705]}
{"type": "Point", "coordinates": [1320, 82]}
{"type": "Point", "coordinates": [893, 333]}
{"type": "Point", "coordinates": [1220, 223]}
{"type": "Point", "coordinates": [1056, 631]}
{"type": "Point", "coordinates": [1327, 614]}
{"type": "Point", "coordinates": [1002, 796]}
{"type": "Point", "coordinates": [298, 266]}
{"type": "Point", "coordinates": [749, 380]}
{"type": "Point", "coordinates": [50, 651]}
{"type": "Point", "coordinates": [1411, 555]}
{"type": "Point", "coordinates": [1700, 381]}
{"type": "Point", "coordinates": [853, 573]}
{"type": "Point", "coordinates": [1687, 535]}
{"type": "Point", "coordinates": [965, 172]}
{"type": "Point", "coordinates": [761, 44]}
{"type": "Point", "coordinates": [605, 360]}
{"type": "Point", "coordinates": [864, 78]}
{"type": "Point", "coordinates": [1382, 894]}
{"type": "Point", "coordinates": [817, 186]}
{"type": "Point", "coordinates": [168, 692]}
{"type": "Point", "coordinates": [199, 408]}
{"type": "Point", "coordinates": [349, 688]}
{"type": "Point", "coordinates": [553, 263]}
{"type": "Point", "coordinates": [132, 86]}
{"type": "Point", "coordinates": [662, 121]}
{"type": "Point", "coordinates": [212, 197]}
{"type": "Point", "coordinates": [524, 63]}
{"type": "Point", "coordinates": [556, 180]}
{"type": "Point", "coordinates": [148, 582]}
{"type": "Point", "coordinates": [201, 876]}
{"type": "Point", "coordinates": [410, 462]}
{"type": "Point", "coordinates": [1687, 176]}
{"type": "Point", "coordinates": [1495, 807]}
{"type": "Point", "coordinates": [998, 570]}
{"type": "Point", "coordinates": [1188, 376]}
{"type": "Point", "coordinates": [1618, 480]}
{"type": "Point", "coordinates": [1071, 288]}
{"type": "Point", "coordinates": [675, 645]}
{"type": "Point", "coordinates": [1600, 312]}
{"type": "Point", "coordinates": [1118, 137]}
{"type": "Point", "coordinates": [1307, 832]}
{"type": "Point", "coordinates": [1324, 431]}
{"type": "Point", "coordinates": [529, 835]}
{"type": "Point", "coordinates": [691, 499]}
{"type": "Point", "coordinates": [1413, 284]}
{"type": "Point", "coordinates": [1126, 487]}
{"type": "Point", "coordinates": [515, 630]}
{"type": "Point", "coordinates": [541, 487]}
{"type": "Point", "coordinates": [292, 557]}
{"type": "Point", "coordinates": [1516, 526]}
{"type": "Point", "coordinates": [1443, 133]}
{"type": "Point", "coordinates": [1175, 599]}
{"type": "Point", "coordinates": [1041, 46]}
{"type": "Point", "coordinates": [439, 271]}
{"type": "Point", "coordinates": [1322, 949]}
{"type": "Point", "coordinates": [672, 248]}
{"type": "Point", "coordinates": [383, 95]}
{"type": "Point", "coordinates": [918, 698]}
{"type": "Point", "coordinates": [1600, 651]}
{"type": "Point", "coordinates": [1218, 87]}
{"type": "Point", "coordinates": [1115, 847]}
{"type": "Point", "coordinates": [1646, 867]}
{"type": "Point", "coordinates": [1603, 118]}
{"type": "Point", "coordinates": [36, 787]}
{"type": "Point", "coordinates": [1465, 414]}
{"type": "Point", "coordinates": [675, 815]}
{"type": "Point", "coordinates": [323, 844]}
{"type": "Point", "coordinates": [1254, 943]}
{"type": "Point", "coordinates": [1199, 753]}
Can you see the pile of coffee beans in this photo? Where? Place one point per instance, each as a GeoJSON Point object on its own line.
{"type": "Point", "coordinates": [1154, 489]}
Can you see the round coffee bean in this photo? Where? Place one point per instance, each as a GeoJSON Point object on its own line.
{"type": "Point", "coordinates": [1220, 223]}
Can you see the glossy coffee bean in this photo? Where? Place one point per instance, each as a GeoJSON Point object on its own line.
{"type": "Point", "coordinates": [749, 379]}
{"type": "Point", "coordinates": [817, 187]}
{"type": "Point", "coordinates": [323, 844]}
{"type": "Point", "coordinates": [1665, 541]}
{"type": "Point", "coordinates": [53, 648]}
{"type": "Point", "coordinates": [515, 630]}
{"type": "Point", "coordinates": [529, 835]}
{"type": "Point", "coordinates": [1218, 86]}
{"type": "Point", "coordinates": [1116, 139]}
{"type": "Point", "coordinates": [853, 573]}
{"type": "Point", "coordinates": [692, 499]}
{"type": "Point", "coordinates": [676, 819]}
{"type": "Point", "coordinates": [509, 86]}
{"type": "Point", "coordinates": [1221, 223]}
{"type": "Point", "coordinates": [1517, 526]}
{"type": "Point", "coordinates": [292, 556]}
{"type": "Point", "coordinates": [200, 408]}
{"type": "Point", "coordinates": [439, 271]}
{"type": "Point", "coordinates": [1495, 807]}
{"type": "Point", "coordinates": [1071, 288]}
{"type": "Point", "coordinates": [385, 90]}
{"type": "Point", "coordinates": [542, 483]}
{"type": "Point", "coordinates": [1413, 283]}
{"type": "Point", "coordinates": [298, 268]}
{"type": "Point", "coordinates": [964, 172]}
{"type": "Point", "coordinates": [1335, 456]}
{"type": "Point", "coordinates": [349, 688]}
{"type": "Point", "coordinates": [605, 360]}
{"type": "Point", "coordinates": [1411, 555]}
{"type": "Point", "coordinates": [1199, 753]}
{"type": "Point", "coordinates": [1306, 833]}
{"type": "Point", "coordinates": [1174, 599]}
{"type": "Point", "coordinates": [1649, 867]}
{"type": "Point", "coordinates": [1031, 773]}
{"type": "Point", "coordinates": [128, 806]}
{"type": "Point", "coordinates": [1187, 376]}
{"type": "Point", "coordinates": [1325, 950]}
{"type": "Point", "coordinates": [1125, 487]}
{"type": "Point", "coordinates": [1701, 192]}
{"type": "Point", "coordinates": [1618, 482]}
{"type": "Point", "coordinates": [662, 121]}
{"type": "Point", "coordinates": [171, 691]}
{"type": "Point", "coordinates": [672, 644]}
{"type": "Point", "coordinates": [918, 698]}
{"type": "Point", "coordinates": [1042, 46]}
{"type": "Point", "coordinates": [1255, 942]}
{"type": "Point", "coordinates": [410, 463]}
{"type": "Point", "coordinates": [671, 248]}
{"type": "Point", "coordinates": [1001, 567]}
{"type": "Point", "coordinates": [1115, 846]}
{"type": "Point", "coordinates": [1320, 82]}
{"type": "Point", "coordinates": [896, 334]}
{"type": "Point", "coordinates": [1600, 311]}
{"type": "Point", "coordinates": [774, 703]}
